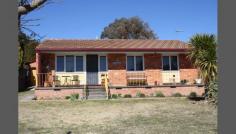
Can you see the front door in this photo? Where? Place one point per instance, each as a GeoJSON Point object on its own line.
{"type": "Point", "coordinates": [92, 69]}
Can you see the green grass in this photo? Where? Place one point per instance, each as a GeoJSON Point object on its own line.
{"type": "Point", "coordinates": [139, 116]}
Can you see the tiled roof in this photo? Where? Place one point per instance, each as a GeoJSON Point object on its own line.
{"type": "Point", "coordinates": [113, 45]}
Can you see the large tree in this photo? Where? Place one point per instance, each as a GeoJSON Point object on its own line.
{"type": "Point", "coordinates": [128, 28]}
{"type": "Point", "coordinates": [25, 7]}
{"type": "Point", "coordinates": [26, 42]}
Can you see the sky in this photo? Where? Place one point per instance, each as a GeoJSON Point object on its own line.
{"type": "Point", "coordinates": [86, 19]}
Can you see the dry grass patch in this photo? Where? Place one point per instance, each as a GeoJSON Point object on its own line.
{"type": "Point", "coordinates": [158, 115]}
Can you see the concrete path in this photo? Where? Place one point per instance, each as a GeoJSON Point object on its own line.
{"type": "Point", "coordinates": [26, 95]}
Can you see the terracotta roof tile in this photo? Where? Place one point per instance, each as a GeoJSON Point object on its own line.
{"type": "Point", "coordinates": [112, 45]}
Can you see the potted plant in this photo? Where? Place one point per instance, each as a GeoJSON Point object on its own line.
{"type": "Point", "coordinates": [184, 82]}
{"type": "Point", "coordinates": [198, 80]}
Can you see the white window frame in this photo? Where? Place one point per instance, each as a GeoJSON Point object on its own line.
{"type": "Point", "coordinates": [134, 63]}
{"type": "Point", "coordinates": [84, 67]}
{"type": "Point", "coordinates": [170, 62]}
{"type": "Point", "coordinates": [64, 55]}
{"type": "Point", "coordinates": [99, 63]}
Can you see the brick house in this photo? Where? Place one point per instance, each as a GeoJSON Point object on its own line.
{"type": "Point", "coordinates": [148, 66]}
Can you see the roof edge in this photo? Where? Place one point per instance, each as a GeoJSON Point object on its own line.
{"type": "Point", "coordinates": [115, 49]}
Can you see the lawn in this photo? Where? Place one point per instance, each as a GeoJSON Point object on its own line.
{"type": "Point", "coordinates": [126, 116]}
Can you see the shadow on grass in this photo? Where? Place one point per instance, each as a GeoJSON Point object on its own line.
{"type": "Point", "coordinates": [196, 98]}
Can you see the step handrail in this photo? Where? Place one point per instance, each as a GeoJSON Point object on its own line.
{"type": "Point", "coordinates": [106, 85]}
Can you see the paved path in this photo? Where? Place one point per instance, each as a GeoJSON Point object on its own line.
{"type": "Point", "coordinates": [26, 95]}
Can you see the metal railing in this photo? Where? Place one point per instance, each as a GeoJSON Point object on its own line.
{"type": "Point", "coordinates": [136, 78]}
{"type": "Point", "coordinates": [49, 80]}
{"type": "Point", "coordinates": [44, 80]}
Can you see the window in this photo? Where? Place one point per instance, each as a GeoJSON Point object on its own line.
{"type": "Point", "coordinates": [79, 63]}
{"type": "Point", "coordinates": [174, 63]}
{"type": "Point", "coordinates": [60, 64]}
{"type": "Point", "coordinates": [139, 63]}
{"type": "Point", "coordinates": [103, 63]}
{"type": "Point", "coordinates": [130, 63]}
{"type": "Point", "coordinates": [134, 63]}
{"type": "Point", "coordinates": [70, 63]}
{"type": "Point", "coordinates": [170, 63]}
{"type": "Point", "coordinates": [166, 63]}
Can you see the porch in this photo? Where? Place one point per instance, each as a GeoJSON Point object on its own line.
{"type": "Point", "coordinates": [78, 80]}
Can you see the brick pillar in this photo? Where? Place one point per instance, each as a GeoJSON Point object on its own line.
{"type": "Point", "coordinates": [117, 69]}
{"type": "Point", "coordinates": [153, 66]}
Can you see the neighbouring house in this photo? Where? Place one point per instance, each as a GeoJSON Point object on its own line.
{"type": "Point", "coordinates": [132, 65]}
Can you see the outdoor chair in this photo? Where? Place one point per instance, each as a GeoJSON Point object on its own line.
{"type": "Point", "coordinates": [56, 80]}
{"type": "Point", "coordinates": [75, 80]}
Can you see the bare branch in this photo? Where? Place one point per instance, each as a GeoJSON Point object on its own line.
{"type": "Point", "coordinates": [24, 9]}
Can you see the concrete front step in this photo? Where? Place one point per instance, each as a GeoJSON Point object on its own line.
{"type": "Point", "coordinates": [97, 97]}
{"type": "Point", "coordinates": [96, 93]}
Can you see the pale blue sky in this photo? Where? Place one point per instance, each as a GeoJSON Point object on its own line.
{"type": "Point", "coordinates": [85, 19]}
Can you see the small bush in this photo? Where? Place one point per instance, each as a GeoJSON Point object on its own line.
{"type": "Point", "coordinates": [159, 94]}
{"type": "Point", "coordinates": [67, 97]}
{"type": "Point", "coordinates": [127, 96]}
{"type": "Point", "coordinates": [119, 95]}
{"type": "Point", "coordinates": [114, 96]}
{"type": "Point", "coordinates": [184, 81]}
{"type": "Point", "coordinates": [177, 95]}
{"type": "Point", "coordinates": [139, 94]}
{"type": "Point", "coordinates": [192, 95]}
{"type": "Point", "coordinates": [73, 97]}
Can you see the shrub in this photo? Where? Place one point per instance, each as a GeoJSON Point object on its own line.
{"type": "Point", "coordinates": [114, 96]}
{"type": "Point", "coordinates": [119, 95]}
{"type": "Point", "coordinates": [139, 94]}
{"type": "Point", "coordinates": [212, 92]}
{"type": "Point", "coordinates": [73, 97]}
{"type": "Point", "coordinates": [67, 97]}
{"type": "Point", "coordinates": [127, 96]}
{"type": "Point", "coordinates": [177, 95]}
{"type": "Point", "coordinates": [159, 94]}
{"type": "Point", "coordinates": [192, 95]}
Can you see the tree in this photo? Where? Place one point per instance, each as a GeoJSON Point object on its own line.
{"type": "Point", "coordinates": [203, 55]}
{"type": "Point", "coordinates": [25, 7]}
{"type": "Point", "coordinates": [128, 28]}
{"type": "Point", "coordinates": [29, 45]}
{"type": "Point", "coordinates": [26, 49]}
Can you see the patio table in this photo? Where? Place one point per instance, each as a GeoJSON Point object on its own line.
{"type": "Point", "coordinates": [65, 81]}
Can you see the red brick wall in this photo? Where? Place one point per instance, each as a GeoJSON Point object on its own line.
{"type": "Point", "coordinates": [153, 66]}
{"type": "Point", "coordinates": [184, 62]}
{"type": "Point", "coordinates": [167, 91]}
{"type": "Point", "coordinates": [116, 61]}
{"type": "Point", "coordinates": [187, 70]}
{"type": "Point", "coordinates": [60, 94]}
{"type": "Point", "coordinates": [117, 69]}
{"type": "Point", "coordinates": [153, 61]}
